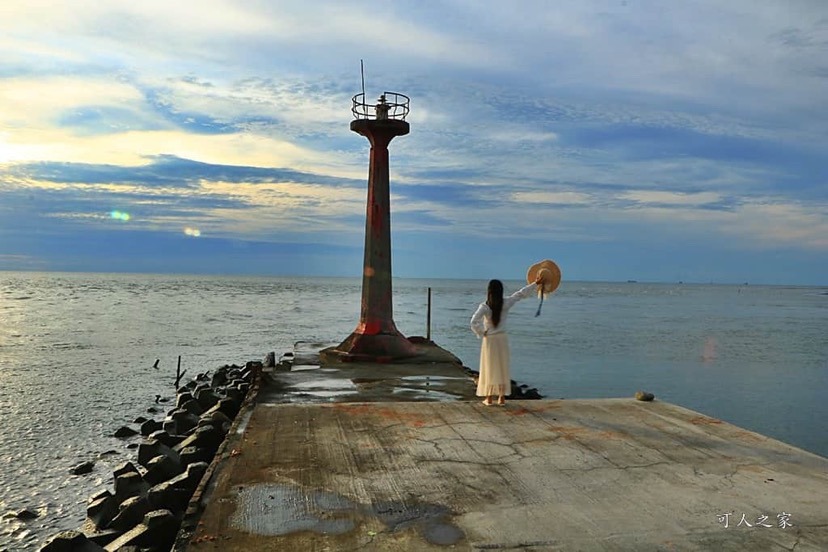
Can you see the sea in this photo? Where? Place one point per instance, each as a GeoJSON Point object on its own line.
{"type": "Point", "coordinates": [77, 356]}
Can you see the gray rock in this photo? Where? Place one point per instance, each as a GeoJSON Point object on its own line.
{"type": "Point", "coordinates": [82, 468]}
{"type": "Point", "coordinates": [270, 360]}
{"type": "Point", "coordinates": [227, 406]}
{"type": "Point", "coordinates": [157, 530]}
{"type": "Point", "coordinates": [219, 378]}
{"type": "Point", "coordinates": [206, 437]}
{"type": "Point", "coordinates": [130, 513]}
{"type": "Point", "coordinates": [100, 511]}
{"type": "Point", "coordinates": [125, 431]}
{"type": "Point", "coordinates": [168, 496]}
{"type": "Point", "coordinates": [151, 448]}
{"type": "Point", "coordinates": [129, 485]}
{"type": "Point", "coordinates": [71, 541]}
{"type": "Point", "coordinates": [644, 396]}
{"type": "Point", "coordinates": [166, 438]}
{"type": "Point", "coordinates": [161, 468]}
{"type": "Point", "coordinates": [124, 467]}
{"type": "Point", "coordinates": [182, 398]}
{"type": "Point", "coordinates": [194, 407]}
{"type": "Point", "coordinates": [104, 537]}
{"type": "Point", "coordinates": [25, 514]}
{"type": "Point", "coordinates": [206, 397]}
{"type": "Point", "coordinates": [150, 426]}
{"type": "Point", "coordinates": [180, 422]}
{"type": "Point", "coordinates": [191, 455]}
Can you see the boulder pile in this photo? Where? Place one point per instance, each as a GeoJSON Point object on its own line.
{"type": "Point", "coordinates": [145, 508]}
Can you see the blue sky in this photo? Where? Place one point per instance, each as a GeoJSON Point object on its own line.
{"type": "Point", "coordinates": [657, 141]}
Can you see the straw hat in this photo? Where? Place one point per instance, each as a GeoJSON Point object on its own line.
{"type": "Point", "coordinates": [550, 275]}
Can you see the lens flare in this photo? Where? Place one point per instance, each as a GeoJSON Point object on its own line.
{"type": "Point", "coordinates": [194, 232]}
{"type": "Point", "coordinates": [119, 215]}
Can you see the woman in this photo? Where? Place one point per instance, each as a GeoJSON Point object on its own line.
{"type": "Point", "coordinates": [489, 323]}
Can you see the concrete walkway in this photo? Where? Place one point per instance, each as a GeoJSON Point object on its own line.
{"type": "Point", "coordinates": [611, 474]}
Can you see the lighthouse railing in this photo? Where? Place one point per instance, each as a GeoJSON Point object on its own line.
{"type": "Point", "coordinates": [396, 103]}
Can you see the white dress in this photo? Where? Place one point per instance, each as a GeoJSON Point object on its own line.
{"type": "Point", "coordinates": [495, 376]}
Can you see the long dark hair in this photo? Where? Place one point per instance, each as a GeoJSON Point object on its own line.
{"type": "Point", "coordinates": [495, 300]}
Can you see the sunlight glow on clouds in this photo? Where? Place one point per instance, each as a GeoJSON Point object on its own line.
{"type": "Point", "coordinates": [623, 124]}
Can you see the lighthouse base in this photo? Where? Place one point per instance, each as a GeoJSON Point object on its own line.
{"type": "Point", "coordinates": [382, 347]}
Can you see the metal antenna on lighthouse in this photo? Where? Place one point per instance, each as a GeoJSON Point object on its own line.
{"type": "Point", "coordinates": [362, 73]}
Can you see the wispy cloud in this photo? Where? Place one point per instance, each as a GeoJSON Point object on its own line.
{"type": "Point", "coordinates": [620, 125]}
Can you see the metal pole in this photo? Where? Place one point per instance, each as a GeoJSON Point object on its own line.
{"type": "Point", "coordinates": [428, 317]}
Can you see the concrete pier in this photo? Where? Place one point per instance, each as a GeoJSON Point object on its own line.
{"type": "Point", "coordinates": [381, 465]}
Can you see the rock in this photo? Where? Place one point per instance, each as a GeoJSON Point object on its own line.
{"type": "Point", "coordinates": [104, 537]}
{"type": "Point", "coordinates": [166, 438]}
{"type": "Point", "coordinates": [229, 407]}
{"type": "Point", "coordinates": [152, 410]}
{"type": "Point", "coordinates": [206, 397]}
{"type": "Point", "coordinates": [157, 530]}
{"type": "Point", "coordinates": [217, 420]}
{"type": "Point", "coordinates": [644, 396]}
{"type": "Point", "coordinates": [132, 446]}
{"type": "Point", "coordinates": [218, 379]}
{"type": "Point", "coordinates": [532, 394]}
{"type": "Point", "coordinates": [151, 448]}
{"type": "Point", "coordinates": [100, 494]}
{"type": "Point", "coordinates": [139, 420]}
{"type": "Point", "coordinates": [150, 426]}
{"type": "Point", "coordinates": [270, 360]}
{"type": "Point", "coordinates": [125, 431]}
{"type": "Point", "coordinates": [71, 541]}
{"type": "Point", "coordinates": [129, 485]}
{"type": "Point", "coordinates": [130, 513]}
{"type": "Point", "coordinates": [25, 514]}
{"type": "Point", "coordinates": [175, 494]}
{"type": "Point", "coordinates": [235, 394]}
{"type": "Point", "coordinates": [180, 422]}
{"type": "Point", "coordinates": [191, 455]}
{"type": "Point", "coordinates": [194, 407]}
{"type": "Point", "coordinates": [82, 468]}
{"type": "Point", "coordinates": [162, 468]}
{"type": "Point", "coordinates": [123, 468]}
{"type": "Point", "coordinates": [108, 453]}
{"type": "Point", "coordinates": [182, 398]}
{"type": "Point", "coordinates": [101, 510]}
{"type": "Point", "coordinates": [206, 437]}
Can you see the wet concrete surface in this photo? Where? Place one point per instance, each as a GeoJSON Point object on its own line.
{"type": "Point", "coordinates": [310, 376]}
{"type": "Point", "coordinates": [378, 464]}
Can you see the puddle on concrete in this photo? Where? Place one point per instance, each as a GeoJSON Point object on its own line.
{"type": "Point", "coordinates": [304, 367]}
{"type": "Point", "coordinates": [327, 394]}
{"type": "Point", "coordinates": [432, 520]}
{"type": "Point", "coordinates": [271, 510]}
{"type": "Point", "coordinates": [425, 393]}
{"type": "Point", "coordinates": [441, 534]}
{"type": "Point", "coordinates": [281, 509]}
{"type": "Point", "coordinates": [328, 384]}
{"type": "Point", "coordinates": [433, 378]}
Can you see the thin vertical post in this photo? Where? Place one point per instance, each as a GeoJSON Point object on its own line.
{"type": "Point", "coordinates": [428, 317]}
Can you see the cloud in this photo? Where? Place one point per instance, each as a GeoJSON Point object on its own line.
{"type": "Point", "coordinates": [671, 198]}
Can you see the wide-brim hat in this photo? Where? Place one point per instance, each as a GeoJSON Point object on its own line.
{"type": "Point", "coordinates": [550, 275]}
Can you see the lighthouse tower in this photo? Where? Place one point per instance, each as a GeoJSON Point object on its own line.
{"type": "Point", "coordinates": [376, 338]}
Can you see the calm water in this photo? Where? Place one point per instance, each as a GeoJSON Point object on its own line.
{"type": "Point", "coordinates": [76, 356]}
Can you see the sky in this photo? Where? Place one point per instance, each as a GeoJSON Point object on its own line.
{"type": "Point", "coordinates": [645, 140]}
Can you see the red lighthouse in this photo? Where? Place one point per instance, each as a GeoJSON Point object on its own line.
{"type": "Point", "coordinates": [376, 338]}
